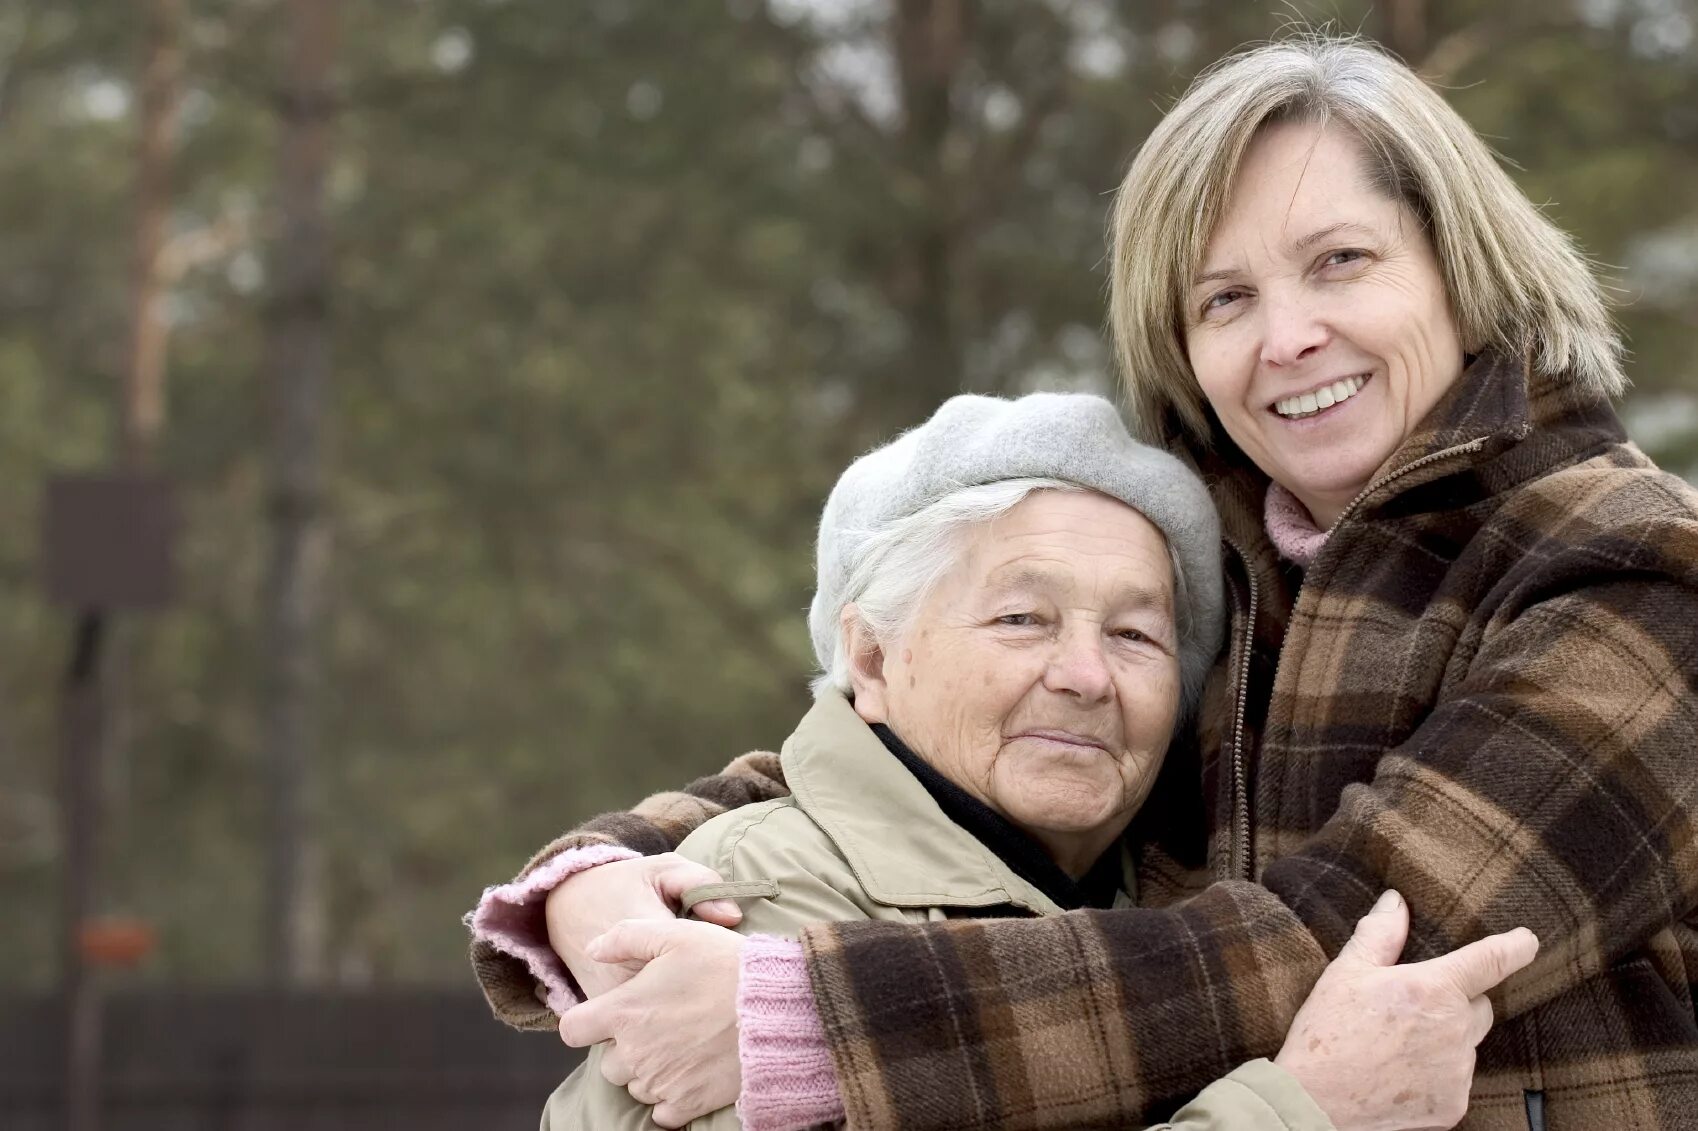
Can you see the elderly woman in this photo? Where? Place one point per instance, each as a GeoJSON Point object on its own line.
{"type": "Point", "coordinates": [1011, 599]}
{"type": "Point", "coordinates": [1463, 650]}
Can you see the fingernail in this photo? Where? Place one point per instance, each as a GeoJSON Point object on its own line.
{"type": "Point", "coordinates": [723, 907]}
{"type": "Point", "coordinates": [592, 949]}
{"type": "Point", "coordinates": [1388, 901]}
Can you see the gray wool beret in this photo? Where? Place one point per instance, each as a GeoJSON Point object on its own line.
{"type": "Point", "coordinates": [973, 440]}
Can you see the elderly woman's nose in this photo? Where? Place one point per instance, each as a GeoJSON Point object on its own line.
{"type": "Point", "coordinates": [1291, 327]}
{"type": "Point", "coordinates": [1079, 667]}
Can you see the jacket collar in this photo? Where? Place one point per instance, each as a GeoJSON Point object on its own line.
{"type": "Point", "coordinates": [902, 848]}
{"type": "Point", "coordinates": [1501, 419]}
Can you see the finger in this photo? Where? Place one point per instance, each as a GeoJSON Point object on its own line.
{"type": "Point", "coordinates": [1380, 934]}
{"type": "Point", "coordinates": [642, 1093]}
{"type": "Point", "coordinates": [633, 940]}
{"type": "Point", "coordinates": [614, 1068]}
{"type": "Point", "coordinates": [1481, 965]}
{"type": "Point", "coordinates": [583, 1025]}
{"type": "Point", "coordinates": [678, 875]}
{"type": "Point", "coordinates": [1480, 1019]}
{"type": "Point", "coordinates": [670, 1113]}
{"type": "Point", "coordinates": [720, 912]}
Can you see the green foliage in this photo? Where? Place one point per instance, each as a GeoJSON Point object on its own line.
{"type": "Point", "coordinates": [620, 286]}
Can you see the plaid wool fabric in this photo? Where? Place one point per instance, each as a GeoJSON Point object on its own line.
{"type": "Point", "coordinates": [1483, 693]}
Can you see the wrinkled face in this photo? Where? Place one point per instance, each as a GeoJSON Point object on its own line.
{"type": "Point", "coordinates": [1042, 673]}
{"type": "Point", "coordinates": [1318, 324]}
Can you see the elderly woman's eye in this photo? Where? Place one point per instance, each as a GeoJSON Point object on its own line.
{"type": "Point", "coordinates": [1018, 620]}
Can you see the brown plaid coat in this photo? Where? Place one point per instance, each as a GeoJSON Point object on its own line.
{"type": "Point", "coordinates": [1484, 693]}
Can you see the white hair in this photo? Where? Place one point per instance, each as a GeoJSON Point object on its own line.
{"type": "Point", "coordinates": [905, 560]}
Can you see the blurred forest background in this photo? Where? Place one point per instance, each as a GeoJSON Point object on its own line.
{"type": "Point", "coordinates": [503, 352]}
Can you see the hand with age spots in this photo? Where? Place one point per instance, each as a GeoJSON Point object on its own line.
{"type": "Point", "coordinates": [672, 1027]}
{"type": "Point", "coordinates": [585, 905]}
{"type": "Point", "coordinates": [1383, 1047]}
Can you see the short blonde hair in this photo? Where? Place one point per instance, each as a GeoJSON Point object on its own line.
{"type": "Point", "coordinates": [1515, 280]}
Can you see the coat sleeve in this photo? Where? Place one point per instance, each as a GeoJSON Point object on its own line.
{"type": "Point", "coordinates": [658, 824]}
{"type": "Point", "coordinates": [1258, 1096]}
{"type": "Point", "coordinates": [586, 1100]}
{"type": "Point", "coordinates": [1552, 787]}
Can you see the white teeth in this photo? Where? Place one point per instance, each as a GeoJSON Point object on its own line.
{"type": "Point", "coordinates": [1307, 404]}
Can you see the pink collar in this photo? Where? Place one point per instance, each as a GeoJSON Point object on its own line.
{"type": "Point", "coordinates": [1293, 533]}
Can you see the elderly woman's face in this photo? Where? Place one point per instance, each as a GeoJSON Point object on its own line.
{"type": "Point", "coordinates": [1042, 674]}
{"type": "Point", "coordinates": [1318, 325]}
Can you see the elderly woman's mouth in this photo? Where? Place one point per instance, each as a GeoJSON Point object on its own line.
{"type": "Point", "coordinates": [1065, 738]}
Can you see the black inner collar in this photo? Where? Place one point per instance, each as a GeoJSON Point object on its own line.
{"type": "Point", "coordinates": [1024, 856]}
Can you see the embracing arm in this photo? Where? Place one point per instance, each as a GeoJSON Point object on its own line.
{"type": "Point", "coordinates": [1365, 1020]}
{"type": "Point", "coordinates": [1550, 790]}
{"type": "Point", "coordinates": [526, 983]}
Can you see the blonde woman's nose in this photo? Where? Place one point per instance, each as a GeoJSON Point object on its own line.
{"type": "Point", "coordinates": [1291, 327]}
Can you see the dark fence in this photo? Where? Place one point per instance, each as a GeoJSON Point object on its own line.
{"type": "Point", "coordinates": [254, 1061]}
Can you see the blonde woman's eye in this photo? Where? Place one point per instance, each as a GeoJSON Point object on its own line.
{"type": "Point", "coordinates": [1221, 300]}
{"type": "Point", "coordinates": [1343, 258]}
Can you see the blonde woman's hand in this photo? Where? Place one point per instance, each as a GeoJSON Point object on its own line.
{"type": "Point", "coordinates": [587, 903]}
{"type": "Point", "coordinates": [673, 1025]}
{"type": "Point", "coordinates": [1383, 1047]}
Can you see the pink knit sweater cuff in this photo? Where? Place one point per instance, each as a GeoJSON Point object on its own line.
{"type": "Point", "coordinates": [788, 1079]}
{"type": "Point", "coordinates": [510, 918]}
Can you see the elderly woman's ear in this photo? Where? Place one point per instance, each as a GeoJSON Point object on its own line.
{"type": "Point", "coordinates": [866, 666]}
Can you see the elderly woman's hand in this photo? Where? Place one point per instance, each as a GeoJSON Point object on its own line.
{"type": "Point", "coordinates": [1383, 1047]}
{"type": "Point", "coordinates": [587, 903]}
{"type": "Point", "coordinates": [673, 1025]}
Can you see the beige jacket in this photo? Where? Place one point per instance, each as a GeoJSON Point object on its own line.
{"type": "Point", "coordinates": [860, 838]}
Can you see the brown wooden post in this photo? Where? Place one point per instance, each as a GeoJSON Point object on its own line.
{"type": "Point", "coordinates": [107, 546]}
{"type": "Point", "coordinates": [94, 566]}
{"type": "Point", "coordinates": [82, 729]}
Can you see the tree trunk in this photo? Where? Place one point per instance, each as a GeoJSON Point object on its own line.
{"type": "Point", "coordinates": [297, 375]}
{"type": "Point", "coordinates": [143, 404]}
{"type": "Point", "coordinates": [1406, 29]}
{"type": "Point", "coordinates": [141, 398]}
{"type": "Point", "coordinates": [929, 42]}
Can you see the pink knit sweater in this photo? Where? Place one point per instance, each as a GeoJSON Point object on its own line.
{"type": "Point", "coordinates": [788, 1080]}
{"type": "Point", "coordinates": [1293, 533]}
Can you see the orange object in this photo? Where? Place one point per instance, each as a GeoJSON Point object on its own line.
{"type": "Point", "coordinates": [115, 942]}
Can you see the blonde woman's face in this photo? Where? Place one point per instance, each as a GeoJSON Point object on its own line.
{"type": "Point", "coordinates": [1318, 325]}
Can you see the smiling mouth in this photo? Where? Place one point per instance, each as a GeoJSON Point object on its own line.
{"type": "Point", "coordinates": [1317, 401]}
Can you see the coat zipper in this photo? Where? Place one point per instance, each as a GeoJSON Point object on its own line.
{"type": "Point", "coordinates": [1240, 855]}
{"type": "Point", "coordinates": [1241, 861]}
